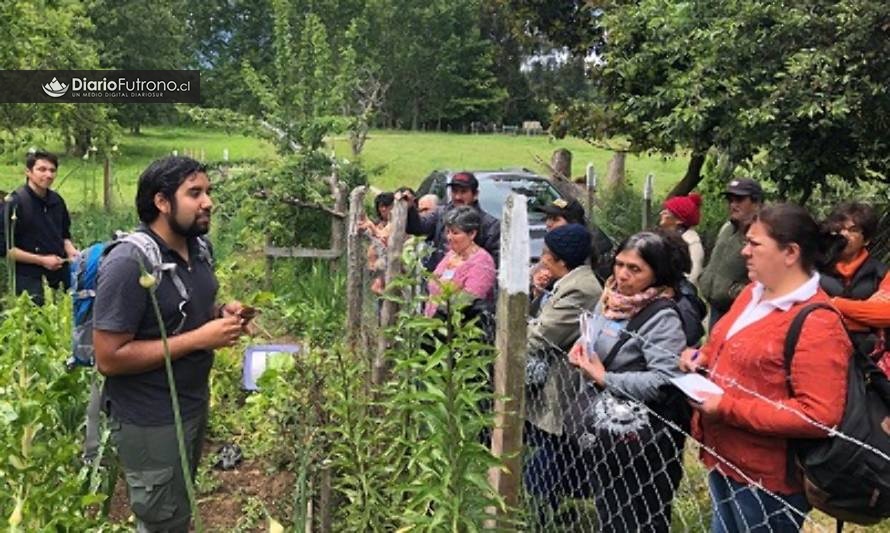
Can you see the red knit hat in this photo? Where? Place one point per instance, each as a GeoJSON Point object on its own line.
{"type": "Point", "coordinates": [686, 208]}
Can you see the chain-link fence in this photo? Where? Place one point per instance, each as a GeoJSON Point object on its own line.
{"type": "Point", "coordinates": [622, 463]}
{"type": "Point", "coordinates": [624, 456]}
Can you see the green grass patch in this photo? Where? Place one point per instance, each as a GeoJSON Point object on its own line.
{"type": "Point", "coordinates": [79, 181]}
{"type": "Point", "coordinates": [404, 158]}
{"type": "Point", "coordinates": [393, 157]}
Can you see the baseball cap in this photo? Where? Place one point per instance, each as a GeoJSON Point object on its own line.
{"type": "Point", "coordinates": [744, 187]}
{"type": "Point", "coordinates": [571, 210]}
{"type": "Point", "coordinates": [464, 179]}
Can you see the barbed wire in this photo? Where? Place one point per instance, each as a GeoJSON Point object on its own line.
{"type": "Point", "coordinates": [831, 431]}
{"type": "Point", "coordinates": [751, 481]}
{"type": "Point", "coordinates": [725, 380]}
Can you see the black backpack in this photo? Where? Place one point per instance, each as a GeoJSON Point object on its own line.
{"type": "Point", "coordinates": [841, 478]}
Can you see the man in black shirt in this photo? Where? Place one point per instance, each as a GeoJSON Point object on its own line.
{"type": "Point", "coordinates": [174, 206]}
{"type": "Point", "coordinates": [37, 230]}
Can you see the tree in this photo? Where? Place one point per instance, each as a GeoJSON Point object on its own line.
{"type": "Point", "coordinates": [791, 91]}
{"type": "Point", "coordinates": [53, 36]}
{"type": "Point", "coordinates": [438, 64]}
{"type": "Point", "coordinates": [135, 35]}
{"type": "Point", "coordinates": [299, 98]}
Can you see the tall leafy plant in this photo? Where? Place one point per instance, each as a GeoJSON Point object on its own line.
{"type": "Point", "coordinates": [412, 453]}
{"type": "Point", "coordinates": [42, 408]}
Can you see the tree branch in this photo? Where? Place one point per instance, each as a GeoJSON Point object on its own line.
{"type": "Point", "coordinates": [296, 202]}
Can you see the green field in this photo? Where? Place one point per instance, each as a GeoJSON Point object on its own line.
{"type": "Point", "coordinates": [79, 181]}
{"type": "Point", "coordinates": [393, 158]}
{"type": "Point", "coordinates": [405, 158]}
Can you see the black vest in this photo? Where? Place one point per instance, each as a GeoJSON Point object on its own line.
{"type": "Point", "coordinates": [865, 282]}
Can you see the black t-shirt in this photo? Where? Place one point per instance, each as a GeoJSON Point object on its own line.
{"type": "Point", "coordinates": [41, 227]}
{"type": "Point", "coordinates": [122, 305]}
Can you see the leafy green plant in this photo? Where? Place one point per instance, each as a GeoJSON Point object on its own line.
{"type": "Point", "coordinates": [42, 408]}
{"type": "Point", "coordinates": [412, 453]}
{"type": "Point", "coordinates": [619, 211]}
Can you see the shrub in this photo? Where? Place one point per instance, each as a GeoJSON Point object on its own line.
{"type": "Point", "coordinates": [42, 407]}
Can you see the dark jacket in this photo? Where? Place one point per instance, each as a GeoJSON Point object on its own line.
{"type": "Point", "coordinates": [41, 227]}
{"type": "Point", "coordinates": [725, 275]}
{"type": "Point", "coordinates": [433, 227]}
{"type": "Point", "coordinates": [862, 286]}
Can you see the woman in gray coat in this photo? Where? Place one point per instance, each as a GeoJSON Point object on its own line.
{"type": "Point", "coordinates": [630, 352]}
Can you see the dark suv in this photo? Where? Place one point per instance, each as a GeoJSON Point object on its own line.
{"type": "Point", "coordinates": [494, 188]}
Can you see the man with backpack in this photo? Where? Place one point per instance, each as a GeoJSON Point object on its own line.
{"type": "Point", "coordinates": [36, 230]}
{"type": "Point", "coordinates": [174, 206]}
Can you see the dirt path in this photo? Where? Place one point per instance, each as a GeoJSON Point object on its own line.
{"type": "Point", "coordinates": [232, 500]}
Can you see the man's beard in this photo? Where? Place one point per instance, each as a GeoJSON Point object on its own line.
{"type": "Point", "coordinates": [195, 229]}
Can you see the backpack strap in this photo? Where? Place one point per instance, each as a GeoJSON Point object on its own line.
{"type": "Point", "coordinates": [205, 250]}
{"type": "Point", "coordinates": [793, 336]}
{"type": "Point", "coordinates": [147, 245]}
{"type": "Point", "coordinates": [635, 323]}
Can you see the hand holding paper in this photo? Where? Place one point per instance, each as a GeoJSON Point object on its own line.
{"type": "Point", "coordinates": [693, 385]}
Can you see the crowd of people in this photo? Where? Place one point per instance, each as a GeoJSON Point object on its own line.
{"type": "Point", "coordinates": [610, 327]}
{"type": "Point", "coordinates": [603, 420]}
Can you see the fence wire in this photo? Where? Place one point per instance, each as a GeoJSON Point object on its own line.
{"type": "Point", "coordinates": [620, 464]}
{"type": "Point", "coordinates": [639, 468]}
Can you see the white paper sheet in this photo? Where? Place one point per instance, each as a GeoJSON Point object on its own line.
{"type": "Point", "coordinates": [692, 384]}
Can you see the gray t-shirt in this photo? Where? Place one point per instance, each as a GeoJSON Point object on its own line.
{"type": "Point", "coordinates": [122, 305]}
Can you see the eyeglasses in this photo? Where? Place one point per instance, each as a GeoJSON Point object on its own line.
{"type": "Point", "coordinates": [732, 198]}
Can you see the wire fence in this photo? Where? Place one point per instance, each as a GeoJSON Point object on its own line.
{"type": "Point", "coordinates": [626, 457]}
{"type": "Point", "coordinates": [619, 459]}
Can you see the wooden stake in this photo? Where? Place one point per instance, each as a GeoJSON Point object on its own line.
{"type": "Point", "coordinates": [390, 309]}
{"type": "Point", "coordinates": [509, 369]}
{"type": "Point", "coordinates": [355, 265]}
{"type": "Point", "coordinates": [106, 185]}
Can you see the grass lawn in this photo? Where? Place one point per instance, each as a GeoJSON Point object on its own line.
{"type": "Point", "coordinates": [405, 158]}
{"type": "Point", "coordinates": [394, 158]}
{"type": "Point", "coordinates": [80, 181]}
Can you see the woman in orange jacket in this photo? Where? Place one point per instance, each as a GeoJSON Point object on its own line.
{"type": "Point", "coordinates": [749, 425]}
{"type": "Point", "coordinates": [859, 284]}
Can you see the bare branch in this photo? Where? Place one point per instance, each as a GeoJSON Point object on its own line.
{"type": "Point", "coordinates": [296, 202]}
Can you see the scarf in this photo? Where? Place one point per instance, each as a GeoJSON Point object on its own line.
{"type": "Point", "coordinates": [848, 270]}
{"type": "Point", "coordinates": [617, 306]}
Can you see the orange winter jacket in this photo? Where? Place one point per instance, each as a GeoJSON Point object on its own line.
{"type": "Point", "coordinates": [750, 432]}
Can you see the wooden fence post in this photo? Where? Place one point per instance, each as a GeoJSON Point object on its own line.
{"type": "Point", "coordinates": [615, 169]}
{"type": "Point", "coordinates": [509, 368]}
{"type": "Point", "coordinates": [647, 201]}
{"type": "Point", "coordinates": [390, 309]}
{"type": "Point", "coordinates": [355, 265]}
{"type": "Point", "coordinates": [591, 192]}
{"type": "Point", "coordinates": [338, 191]}
{"type": "Point", "coordinates": [270, 266]}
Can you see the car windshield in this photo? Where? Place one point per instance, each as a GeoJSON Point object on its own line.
{"type": "Point", "coordinates": [493, 193]}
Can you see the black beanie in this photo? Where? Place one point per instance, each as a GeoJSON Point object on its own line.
{"type": "Point", "coordinates": [569, 243]}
